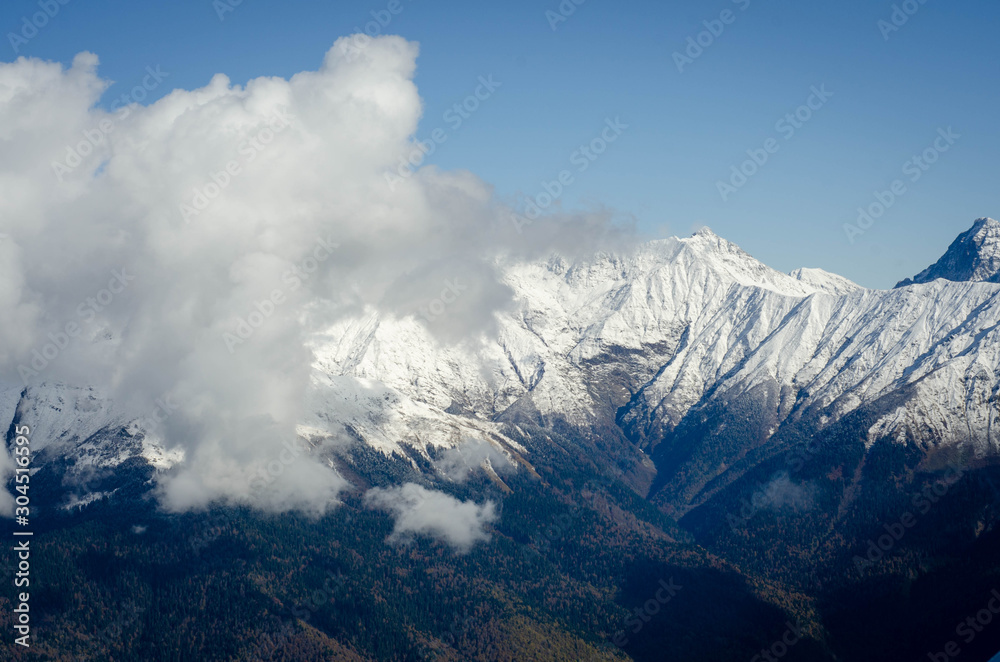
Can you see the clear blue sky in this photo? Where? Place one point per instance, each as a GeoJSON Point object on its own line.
{"type": "Point", "coordinates": [686, 129]}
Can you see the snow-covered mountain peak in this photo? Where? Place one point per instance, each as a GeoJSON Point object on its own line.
{"type": "Point", "coordinates": [973, 256]}
{"type": "Point", "coordinates": [705, 250]}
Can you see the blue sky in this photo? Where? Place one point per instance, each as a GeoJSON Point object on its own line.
{"type": "Point", "coordinates": [686, 129]}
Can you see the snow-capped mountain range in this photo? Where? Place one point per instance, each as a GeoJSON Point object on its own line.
{"type": "Point", "coordinates": [637, 340]}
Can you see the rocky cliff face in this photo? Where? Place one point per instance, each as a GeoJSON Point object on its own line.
{"type": "Point", "coordinates": [974, 256]}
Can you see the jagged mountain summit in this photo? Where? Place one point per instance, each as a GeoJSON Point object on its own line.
{"type": "Point", "coordinates": [973, 256]}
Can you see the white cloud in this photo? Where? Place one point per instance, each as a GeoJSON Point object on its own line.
{"type": "Point", "coordinates": [282, 166]}
{"type": "Point", "coordinates": [427, 512]}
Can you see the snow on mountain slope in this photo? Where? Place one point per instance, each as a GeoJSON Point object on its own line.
{"type": "Point", "coordinates": [383, 418]}
{"type": "Point", "coordinates": [826, 281]}
{"type": "Point", "coordinates": [636, 339]}
{"type": "Point", "coordinates": [10, 395]}
{"type": "Point", "coordinates": [80, 424]}
{"type": "Point", "coordinates": [685, 317]}
{"type": "Point", "coordinates": [941, 338]}
{"type": "Point", "coordinates": [566, 316]}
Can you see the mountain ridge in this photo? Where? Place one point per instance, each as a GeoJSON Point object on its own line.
{"type": "Point", "coordinates": [636, 342]}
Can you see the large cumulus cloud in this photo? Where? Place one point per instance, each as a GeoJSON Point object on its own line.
{"type": "Point", "coordinates": [184, 251]}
